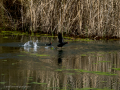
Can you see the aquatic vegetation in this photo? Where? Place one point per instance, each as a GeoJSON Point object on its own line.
{"type": "Point", "coordinates": [80, 70]}
{"type": "Point", "coordinates": [44, 34]}
{"type": "Point", "coordinates": [99, 56]}
{"type": "Point", "coordinates": [54, 88]}
{"type": "Point", "coordinates": [36, 54]}
{"type": "Point", "coordinates": [13, 63]}
{"type": "Point", "coordinates": [76, 48]}
{"type": "Point", "coordinates": [14, 84]}
{"type": "Point", "coordinates": [102, 73]}
{"type": "Point", "coordinates": [79, 39]}
{"type": "Point", "coordinates": [85, 88]}
{"type": "Point", "coordinates": [32, 34]}
{"type": "Point", "coordinates": [76, 40]}
{"type": "Point", "coordinates": [48, 36]}
{"type": "Point", "coordinates": [69, 40]}
{"type": "Point", "coordinates": [118, 69]}
{"type": "Point", "coordinates": [42, 55]}
{"type": "Point", "coordinates": [68, 69]}
{"type": "Point", "coordinates": [70, 73]}
{"type": "Point", "coordinates": [101, 52]}
{"type": "Point", "coordinates": [85, 71]}
{"type": "Point", "coordinates": [93, 56]}
{"type": "Point", "coordinates": [93, 89]}
{"type": "Point", "coordinates": [83, 55]}
{"type": "Point", "coordinates": [103, 81]}
{"type": "Point", "coordinates": [6, 32]}
{"type": "Point", "coordinates": [68, 37]}
{"type": "Point", "coordinates": [52, 48]}
{"type": "Point", "coordinates": [86, 39]}
{"type": "Point", "coordinates": [38, 35]}
{"type": "Point", "coordinates": [59, 70]}
{"type": "Point", "coordinates": [104, 61]}
{"type": "Point", "coordinates": [2, 74]}
{"type": "Point", "coordinates": [4, 60]}
{"type": "Point", "coordinates": [24, 52]}
{"type": "Point", "coordinates": [5, 37]}
{"type": "Point", "coordinates": [90, 52]}
{"type": "Point", "coordinates": [2, 82]}
{"type": "Point", "coordinates": [95, 63]}
{"type": "Point", "coordinates": [33, 54]}
{"type": "Point", "coordinates": [13, 33]}
{"type": "Point", "coordinates": [37, 83]}
{"type": "Point", "coordinates": [30, 77]}
{"type": "Point", "coordinates": [21, 55]}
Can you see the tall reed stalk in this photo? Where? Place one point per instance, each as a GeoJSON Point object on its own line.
{"type": "Point", "coordinates": [88, 18]}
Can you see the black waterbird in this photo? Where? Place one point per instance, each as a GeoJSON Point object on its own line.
{"type": "Point", "coordinates": [48, 44]}
{"type": "Point", "coordinates": [61, 43]}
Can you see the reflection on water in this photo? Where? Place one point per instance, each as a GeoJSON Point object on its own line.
{"type": "Point", "coordinates": [60, 52]}
{"type": "Point", "coordinates": [78, 65]}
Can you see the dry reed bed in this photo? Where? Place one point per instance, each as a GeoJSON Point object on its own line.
{"type": "Point", "coordinates": [86, 18]}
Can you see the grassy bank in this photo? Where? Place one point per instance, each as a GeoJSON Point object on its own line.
{"type": "Point", "coordinates": [83, 18]}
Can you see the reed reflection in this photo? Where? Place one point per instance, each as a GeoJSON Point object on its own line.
{"type": "Point", "coordinates": [60, 56]}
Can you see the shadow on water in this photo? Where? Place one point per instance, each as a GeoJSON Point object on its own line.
{"type": "Point", "coordinates": [78, 65]}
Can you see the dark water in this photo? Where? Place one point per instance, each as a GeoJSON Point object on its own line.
{"type": "Point", "coordinates": [79, 65]}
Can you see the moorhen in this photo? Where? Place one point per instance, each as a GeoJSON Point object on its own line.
{"type": "Point", "coordinates": [61, 43]}
{"type": "Point", "coordinates": [49, 44]}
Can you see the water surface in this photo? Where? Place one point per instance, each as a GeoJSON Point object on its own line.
{"type": "Point", "coordinates": [79, 65]}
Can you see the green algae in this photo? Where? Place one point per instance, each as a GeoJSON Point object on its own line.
{"type": "Point", "coordinates": [21, 55]}
{"type": "Point", "coordinates": [118, 69]}
{"type": "Point", "coordinates": [2, 82]}
{"type": "Point", "coordinates": [104, 61]}
{"type": "Point", "coordinates": [36, 83]}
{"type": "Point", "coordinates": [85, 71]}
{"type": "Point", "coordinates": [39, 55]}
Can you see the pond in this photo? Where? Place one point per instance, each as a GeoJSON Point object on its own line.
{"type": "Point", "coordinates": [79, 65]}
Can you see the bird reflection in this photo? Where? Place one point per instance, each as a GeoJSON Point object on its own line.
{"type": "Point", "coordinates": [60, 55]}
